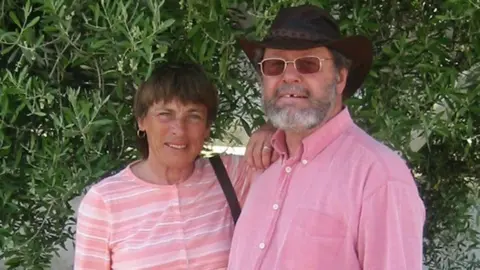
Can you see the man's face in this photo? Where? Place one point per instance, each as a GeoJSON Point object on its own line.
{"type": "Point", "coordinates": [301, 98]}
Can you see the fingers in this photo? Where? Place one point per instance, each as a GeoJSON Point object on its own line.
{"type": "Point", "coordinates": [259, 153]}
{"type": "Point", "coordinates": [275, 157]}
{"type": "Point", "coordinates": [257, 156]}
{"type": "Point", "coordinates": [266, 156]}
{"type": "Point", "coordinates": [249, 153]}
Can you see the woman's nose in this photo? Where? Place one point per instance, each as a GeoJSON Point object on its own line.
{"type": "Point", "coordinates": [178, 127]}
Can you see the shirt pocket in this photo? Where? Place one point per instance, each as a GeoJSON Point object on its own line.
{"type": "Point", "coordinates": [318, 224]}
{"type": "Point", "coordinates": [314, 240]}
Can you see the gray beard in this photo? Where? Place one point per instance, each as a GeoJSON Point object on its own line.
{"type": "Point", "coordinates": [294, 119]}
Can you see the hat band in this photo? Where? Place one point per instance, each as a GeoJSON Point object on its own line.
{"type": "Point", "coordinates": [296, 34]}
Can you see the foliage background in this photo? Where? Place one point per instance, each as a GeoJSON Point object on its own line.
{"type": "Point", "coordinates": [68, 69]}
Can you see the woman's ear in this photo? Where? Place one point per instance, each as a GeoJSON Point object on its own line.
{"type": "Point", "coordinates": [141, 124]}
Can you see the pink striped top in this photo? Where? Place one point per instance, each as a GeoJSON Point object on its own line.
{"type": "Point", "coordinates": [126, 223]}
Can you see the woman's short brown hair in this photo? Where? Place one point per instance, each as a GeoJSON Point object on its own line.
{"type": "Point", "coordinates": [185, 82]}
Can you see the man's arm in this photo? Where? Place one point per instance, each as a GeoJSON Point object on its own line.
{"type": "Point", "coordinates": [391, 228]}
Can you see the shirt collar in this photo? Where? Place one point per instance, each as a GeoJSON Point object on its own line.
{"type": "Point", "coordinates": [318, 140]}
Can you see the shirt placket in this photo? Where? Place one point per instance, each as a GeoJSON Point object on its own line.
{"type": "Point", "coordinates": [286, 175]}
{"type": "Point", "coordinates": [181, 229]}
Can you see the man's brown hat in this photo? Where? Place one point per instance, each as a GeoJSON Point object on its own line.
{"type": "Point", "coordinates": [309, 26]}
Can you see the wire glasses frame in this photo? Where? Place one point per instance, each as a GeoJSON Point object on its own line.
{"type": "Point", "coordinates": [304, 65]}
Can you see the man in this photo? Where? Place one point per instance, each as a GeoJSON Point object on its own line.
{"type": "Point", "coordinates": [337, 199]}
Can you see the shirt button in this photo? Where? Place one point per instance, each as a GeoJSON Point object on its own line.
{"type": "Point", "coordinates": [288, 169]}
{"type": "Point", "coordinates": [261, 246]}
{"type": "Point", "coordinates": [304, 162]}
{"type": "Point", "coordinates": [275, 206]}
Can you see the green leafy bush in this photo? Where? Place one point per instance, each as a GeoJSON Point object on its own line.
{"type": "Point", "coordinates": [68, 70]}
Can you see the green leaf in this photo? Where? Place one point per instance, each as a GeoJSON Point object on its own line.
{"type": "Point", "coordinates": [8, 49]}
{"type": "Point", "coordinates": [246, 126]}
{"type": "Point", "coordinates": [8, 37]}
{"type": "Point", "coordinates": [203, 50]}
{"type": "Point", "coordinates": [165, 25]}
{"type": "Point", "coordinates": [18, 159]}
{"type": "Point", "coordinates": [102, 122]}
{"type": "Point", "coordinates": [41, 114]}
{"type": "Point", "coordinates": [5, 108]}
{"type": "Point", "coordinates": [194, 30]}
{"type": "Point", "coordinates": [14, 18]}
{"type": "Point", "coordinates": [32, 22]}
{"type": "Point", "coordinates": [14, 262]}
{"type": "Point", "coordinates": [99, 44]}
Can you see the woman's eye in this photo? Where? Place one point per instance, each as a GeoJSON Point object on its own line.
{"type": "Point", "coordinates": [196, 116]}
{"type": "Point", "coordinates": [164, 115]}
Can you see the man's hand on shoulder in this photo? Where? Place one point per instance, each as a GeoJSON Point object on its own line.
{"type": "Point", "coordinates": [259, 152]}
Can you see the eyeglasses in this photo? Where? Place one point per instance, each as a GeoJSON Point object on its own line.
{"type": "Point", "coordinates": [304, 65]}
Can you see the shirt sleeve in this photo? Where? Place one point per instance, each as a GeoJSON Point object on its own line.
{"type": "Point", "coordinates": [92, 234]}
{"type": "Point", "coordinates": [240, 174]}
{"type": "Point", "coordinates": [391, 228]}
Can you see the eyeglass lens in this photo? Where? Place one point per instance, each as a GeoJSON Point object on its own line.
{"type": "Point", "coordinates": [304, 65]}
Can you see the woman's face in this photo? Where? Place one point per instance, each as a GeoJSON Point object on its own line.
{"type": "Point", "coordinates": [175, 131]}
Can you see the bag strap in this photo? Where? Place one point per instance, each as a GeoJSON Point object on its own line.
{"type": "Point", "coordinates": [227, 186]}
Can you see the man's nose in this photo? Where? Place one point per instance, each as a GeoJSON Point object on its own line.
{"type": "Point", "coordinates": [291, 74]}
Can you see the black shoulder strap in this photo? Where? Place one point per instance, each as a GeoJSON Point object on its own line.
{"type": "Point", "coordinates": [227, 187]}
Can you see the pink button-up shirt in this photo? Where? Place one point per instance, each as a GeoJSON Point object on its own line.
{"type": "Point", "coordinates": [343, 202]}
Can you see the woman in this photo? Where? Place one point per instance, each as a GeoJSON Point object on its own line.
{"type": "Point", "coordinates": [167, 210]}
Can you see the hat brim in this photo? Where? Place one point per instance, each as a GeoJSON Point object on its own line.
{"type": "Point", "coordinates": [358, 49]}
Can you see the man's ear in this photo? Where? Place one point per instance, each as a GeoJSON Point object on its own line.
{"type": "Point", "coordinates": [341, 79]}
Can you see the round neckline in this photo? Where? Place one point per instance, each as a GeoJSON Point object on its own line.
{"type": "Point", "coordinates": [195, 173]}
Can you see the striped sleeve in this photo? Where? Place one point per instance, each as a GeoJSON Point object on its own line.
{"type": "Point", "coordinates": [240, 174]}
{"type": "Point", "coordinates": [92, 233]}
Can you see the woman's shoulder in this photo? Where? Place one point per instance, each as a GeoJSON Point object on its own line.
{"type": "Point", "coordinates": [112, 183]}
{"type": "Point", "coordinates": [230, 161]}
{"type": "Point", "coordinates": [234, 164]}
